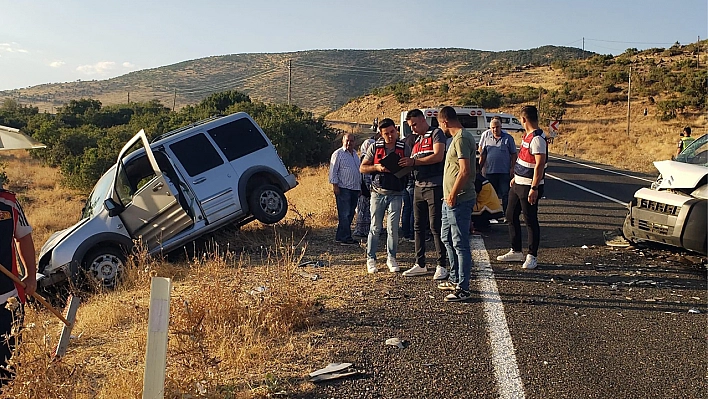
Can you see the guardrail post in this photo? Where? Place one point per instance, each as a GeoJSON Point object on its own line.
{"type": "Point", "coordinates": [156, 351]}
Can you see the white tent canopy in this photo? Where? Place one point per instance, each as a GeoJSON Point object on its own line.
{"type": "Point", "coordinates": [13, 139]}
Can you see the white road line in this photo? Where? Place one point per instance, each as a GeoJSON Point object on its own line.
{"type": "Point", "coordinates": [598, 168]}
{"type": "Point", "coordinates": [506, 371]}
{"type": "Point", "coordinates": [623, 203]}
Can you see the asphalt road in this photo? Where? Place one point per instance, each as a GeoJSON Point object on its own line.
{"type": "Point", "coordinates": [590, 322]}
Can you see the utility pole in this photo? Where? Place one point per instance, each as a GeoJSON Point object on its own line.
{"type": "Point", "coordinates": [174, 100]}
{"type": "Point", "coordinates": [629, 96]}
{"type": "Point", "coordinates": [540, 93]}
{"type": "Point", "coordinates": [698, 52]}
{"type": "Point", "coordinates": [290, 80]}
{"type": "Point", "coordinates": [583, 47]}
{"type": "Point", "coordinates": [128, 97]}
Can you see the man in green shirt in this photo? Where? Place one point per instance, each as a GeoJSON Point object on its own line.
{"type": "Point", "coordinates": [459, 198]}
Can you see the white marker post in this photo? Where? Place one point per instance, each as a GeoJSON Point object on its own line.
{"type": "Point", "coordinates": [156, 351]}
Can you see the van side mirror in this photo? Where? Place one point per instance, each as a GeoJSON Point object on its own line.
{"type": "Point", "coordinates": [113, 207]}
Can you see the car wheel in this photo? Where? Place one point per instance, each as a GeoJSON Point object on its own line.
{"type": "Point", "coordinates": [268, 204]}
{"type": "Point", "coordinates": [104, 266]}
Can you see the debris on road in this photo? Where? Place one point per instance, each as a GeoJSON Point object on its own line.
{"type": "Point", "coordinates": [332, 371]}
{"type": "Point", "coordinates": [402, 344]}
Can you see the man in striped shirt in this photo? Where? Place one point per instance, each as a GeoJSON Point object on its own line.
{"type": "Point", "coordinates": [345, 178]}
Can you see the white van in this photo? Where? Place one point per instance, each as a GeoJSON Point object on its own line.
{"type": "Point", "coordinates": [472, 120]}
{"type": "Point", "coordinates": [186, 183]}
{"type": "Point", "coordinates": [509, 122]}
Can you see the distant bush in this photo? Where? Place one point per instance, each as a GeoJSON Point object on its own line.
{"type": "Point", "coordinates": [84, 138]}
{"type": "Point", "coordinates": [607, 98]}
{"type": "Point", "coordinates": [444, 89]}
{"type": "Point", "coordinates": [486, 98]}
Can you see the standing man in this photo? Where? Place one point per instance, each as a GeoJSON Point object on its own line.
{"type": "Point", "coordinates": [498, 153]}
{"type": "Point", "coordinates": [459, 199]}
{"type": "Point", "coordinates": [427, 159]}
{"type": "Point", "coordinates": [686, 139]}
{"type": "Point", "coordinates": [386, 194]}
{"type": "Point", "coordinates": [526, 189]}
{"type": "Point", "coordinates": [407, 220]}
{"type": "Point", "coordinates": [346, 183]}
{"type": "Point", "coordinates": [15, 233]}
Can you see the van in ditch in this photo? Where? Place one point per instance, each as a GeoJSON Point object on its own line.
{"type": "Point", "coordinates": [186, 183]}
{"type": "Point", "coordinates": [473, 120]}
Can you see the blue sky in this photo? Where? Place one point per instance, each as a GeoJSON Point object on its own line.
{"type": "Point", "coordinates": [62, 41]}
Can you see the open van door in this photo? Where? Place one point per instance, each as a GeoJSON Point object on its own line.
{"type": "Point", "coordinates": [144, 198]}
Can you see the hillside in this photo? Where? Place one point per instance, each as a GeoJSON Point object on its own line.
{"type": "Point", "coordinates": [322, 80]}
{"type": "Point", "coordinates": [590, 96]}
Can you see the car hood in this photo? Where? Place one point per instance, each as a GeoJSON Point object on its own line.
{"type": "Point", "coordinates": [679, 175]}
{"type": "Point", "coordinates": [57, 237]}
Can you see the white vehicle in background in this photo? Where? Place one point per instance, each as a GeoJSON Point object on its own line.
{"type": "Point", "coordinates": [473, 120]}
{"type": "Point", "coordinates": [509, 121]}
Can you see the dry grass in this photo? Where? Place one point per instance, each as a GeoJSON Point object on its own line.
{"type": "Point", "coordinates": [226, 338]}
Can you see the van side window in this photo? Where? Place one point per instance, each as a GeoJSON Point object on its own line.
{"type": "Point", "coordinates": [468, 121]}
{"type": "Point", "coordinates": [238, 138]}
{"type": "Point", "coordinates": [196, 154]}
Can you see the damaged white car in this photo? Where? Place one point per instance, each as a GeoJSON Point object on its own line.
{"type": "Point", "coordinates": [673, 210]}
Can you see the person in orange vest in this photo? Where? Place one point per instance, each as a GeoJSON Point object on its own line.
{"type": "Point", "coordinates": [685, 140]}
{"type": "Point", "coordinates": [15, 233]}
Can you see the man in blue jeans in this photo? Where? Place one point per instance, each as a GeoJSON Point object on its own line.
{"type": "Point", "coordinates": [346, 183]}
{"type": "Point", "coordinates": [386, 194]}
{"type": "Point", "coordinates": [459, 199]}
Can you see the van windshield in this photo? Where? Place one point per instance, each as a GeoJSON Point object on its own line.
{"type": "Point", "coordinates": [98, 195]}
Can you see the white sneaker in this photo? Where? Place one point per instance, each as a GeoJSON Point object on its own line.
{"type": "Point", "coordinates": [415, 271]}
{"type": "Point", "coordinates": [392, 265]}
{"type": "Point", "coordinates": [511, 256]}
{"type": "Point", "coordinates": [371, 266]}
{"type": "Point", "coordinates": [440, 273]}
{"type": "Point", "coordinates": [530, 262]}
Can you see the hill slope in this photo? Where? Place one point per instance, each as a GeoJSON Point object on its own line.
{"type": "Point", "coordinates": [668, 83]}
{"type": "Point", "coordinates": [322, 80]}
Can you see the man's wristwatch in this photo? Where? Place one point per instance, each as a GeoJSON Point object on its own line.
{"type": "Point", "coordinates": [535, 188]}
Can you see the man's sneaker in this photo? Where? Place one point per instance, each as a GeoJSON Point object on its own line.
{"type": "Point", "coordinates": [440, 273]}
{"type": "Point", "coordinates": [512, 256]}
{"type": "Point", "coordinates": [458, 296]}
{"type": "Point", "coordinates": [447, 286]}
{"type": "Point", "coordinates": [530, 262]}
{"type": "Point", "coordinates": [348, 242]}
{"type": "Point", "coordinates": [392, 265]}
{"type": "Point", "coordinates": [371, 266]}
{"type": "Point", "coordinates": [415, 271]}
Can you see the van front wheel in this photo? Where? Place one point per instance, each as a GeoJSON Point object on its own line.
{"type": "Point", "coordinates": [268, 204]}
{"type": "Point", "coordinates": [104, 266]}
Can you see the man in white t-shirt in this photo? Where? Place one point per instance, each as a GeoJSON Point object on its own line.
{"type": "Point", "coordinates": [526, 189]}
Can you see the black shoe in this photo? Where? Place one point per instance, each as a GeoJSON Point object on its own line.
{"type": "Point", "coordinates": [348, 242]}
{"type": "Point", "coordinates": [458, 296]}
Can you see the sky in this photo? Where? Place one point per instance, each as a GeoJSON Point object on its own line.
{"type": "Point", "coordinates": [64, 41]}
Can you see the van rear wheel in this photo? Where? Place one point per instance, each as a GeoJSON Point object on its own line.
{"type": "Point", "coordinates": [104, 266]}
{"type": "Point", "coordinates": [268, 204]}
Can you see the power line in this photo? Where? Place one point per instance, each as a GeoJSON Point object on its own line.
{"type": "Point", "coordinates": [618, 41]}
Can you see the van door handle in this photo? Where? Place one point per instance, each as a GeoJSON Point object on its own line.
{"type": "Point", "coordinates": [199, 180]}
{"type": "Point", "coordinates": [158, 186]}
